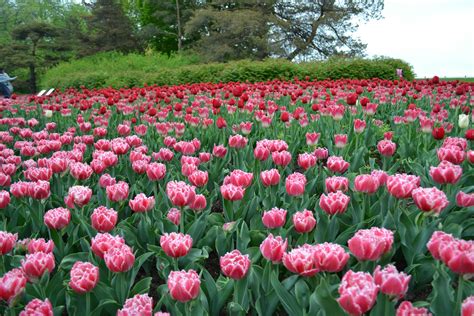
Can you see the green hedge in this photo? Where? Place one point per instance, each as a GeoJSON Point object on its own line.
{"type": "Point", "coordinates": [118, 70]}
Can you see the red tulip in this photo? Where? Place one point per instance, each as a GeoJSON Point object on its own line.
{"type": "Point", "coordinates": [273, 248]}
{"type": "Point", "coordinates": [304, 221]}
{"type": "Point", "coordinates": [330, 257]}
{"type": "Point", "coordinates": [235, 265]}
{"type": "Point", "coordinates": [184, 285]}
{"type": "Point", "coordinates": [438, 132]}
{"type": "Point", "coordinates": [391, 282]}
{"type": "Point", "coordinates": [176, 245]}
{"type": "Point", "coordinates": [84, 277]}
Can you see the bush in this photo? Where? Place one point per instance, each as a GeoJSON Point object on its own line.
{"type": "Point", "coordinates": [118, 70]}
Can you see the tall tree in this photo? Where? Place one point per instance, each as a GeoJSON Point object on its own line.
{"type": "Point", "coordinates": [232, 29]}
{"type": "Point", "coordinates": [162, 22]}
{"type": "Point", "coordinates": [34, 47]}
{"type": "Point", "coordinates": [108, 28]}
{"type": "Point", "coordinates": [281, 28]}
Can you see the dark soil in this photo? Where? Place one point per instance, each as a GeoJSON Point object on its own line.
{"type": "Point", "coordinates": [217, 207]}
{"type": "Point", "coordinates": [212, 265]}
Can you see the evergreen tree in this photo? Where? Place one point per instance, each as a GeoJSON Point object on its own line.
{"type": "Point", "coordinates": [108, 28]}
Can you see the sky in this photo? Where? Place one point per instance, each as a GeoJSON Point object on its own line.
{"type": "Point", "coordinates": [435, 36]}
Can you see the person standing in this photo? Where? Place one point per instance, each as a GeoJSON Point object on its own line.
{"type": "Point", "coordinates": [6, 88]}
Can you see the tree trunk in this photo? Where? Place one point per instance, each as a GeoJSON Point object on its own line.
{"type": "Point", "coordinates": [33, 69]}
{"type": "Point", "coordinates": [178, 18]}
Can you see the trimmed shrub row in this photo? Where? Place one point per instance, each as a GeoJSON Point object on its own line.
{"type": "Point", "coordinates": [117, 70]}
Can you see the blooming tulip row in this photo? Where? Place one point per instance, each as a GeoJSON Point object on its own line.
{"type": "Point", "coordinates": [334, 197]}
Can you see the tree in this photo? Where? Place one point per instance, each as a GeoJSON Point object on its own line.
{"type": "Point", "coordinates": [281, 28]}
{"type": "Point", "coordinates": [161, 22]}
{"type": "Point", "coordinates": [34, 47]}
{"type": "Point", "coordinates": [232, 29]}
{"type": "Point", "coordinates": [108, 28]}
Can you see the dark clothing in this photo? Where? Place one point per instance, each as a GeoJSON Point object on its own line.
{"type": "Point", "coordinates": [4, 90]}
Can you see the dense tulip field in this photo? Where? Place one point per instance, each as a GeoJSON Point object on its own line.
{"type": "Point", "coordinates": [345, 197]}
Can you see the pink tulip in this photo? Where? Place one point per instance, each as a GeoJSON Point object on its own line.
{"type": "Point", "coordinates": [371, 244]}
{"type": "Point", "coordinates": [12, 284]}
{"type": "Point", "coordinates": [430, 199]}
{"type": "Point", "coordinates": [117, 192]}
{"type": "Point", "coordinates": [84, 277]}
{"type": "Point", "coordinates": [274, 218]}
{"type": "Point", "coordinates": [464, 199]}
{"type": "Point", "coordinates": [40, 245]}
{"type": "Point", "coordinates": [407, 309]}
{"type": "Point", "coordinates": [273, 248]}
{"type": "Point", "coordinates": [38, 307]}
{"type": "Point", "coordinates": [337, 164]}
{"type": "Point", "coordinates": [104, 219]}
{"type": "Point", "coordinates": [330, 257]}
{"type": "Point", "coordinates": [391, 282]}
{"type": "Point", "coordinates": [334, 203]}
{"type": "Point", "coordinates": [7, 242]}
{"type": "Point", "coordinates": [336, 183]}
{"type": "Point", "coordinates": [270, 177]}
{"type": "Point", "coordinates": [235, 265]}
{"type": "Point", "coordinates": [140, 304]}
{"type": "Point", "coordinates": [386, 148]}
{"type": "Point", "coordinates": [102, 243]}
{"type": "Point", "coordinates": [180, 193]}
{"type": "Point", "coordinates": [57, 218]}
{"type": "Point", "coordinates": [467, 307]}
{"type": "Point", "coordinates": [141, 203]}
{"type": "Point", "coordinates": [232, 192]}
{"type": "Point", "coordinates": [119, 259]}
{"type": "Point", "coordinates": [401, 186]}
{"type": "Point", "coordinates": [295, 184]}
{"type": "Point", "coordinates": [358, 292]}
{"type": "Point", "coordinates": [36, 264]}
{"type": "Point", "coordinates": [78, 196]}
{"type": "Point", "coordinates": [366, 183]}
{"type": "Point", "coordinates": [176, 245]}
{"type": "Point", "coordinates": [304, 221]}
{"type": "Point", "coordinates": [300, 260]}
{"type": "Point", "coordinates": [184, 285]}
{"type": "Point", "coordinates": [446, 172]}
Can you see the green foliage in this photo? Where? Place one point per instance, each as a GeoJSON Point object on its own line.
{"type": "Point", "coordinates": [119, 70]}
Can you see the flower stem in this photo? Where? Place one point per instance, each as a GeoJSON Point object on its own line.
{"type": "Point", "coordinates": [460, 292]}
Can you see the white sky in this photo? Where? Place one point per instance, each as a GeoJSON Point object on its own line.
{"type": "Point", "coordinates": [435, 36]}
